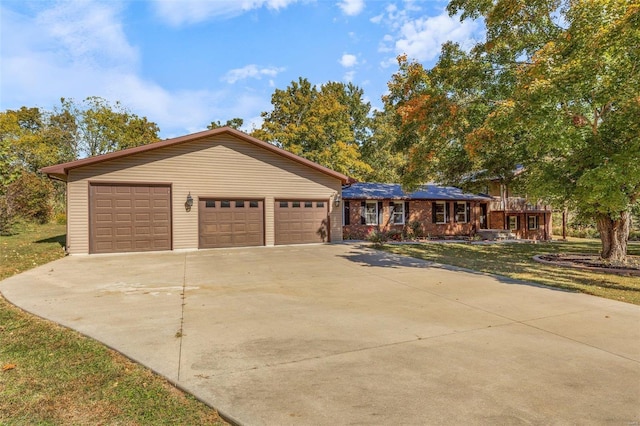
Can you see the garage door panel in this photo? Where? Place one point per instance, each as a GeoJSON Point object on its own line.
{"type": "Point", "coordinates": [301, 221]}
{"type": "Point", "coordinates": [230, 223]}
{"type": "Point", "coordinates": [129, 218]}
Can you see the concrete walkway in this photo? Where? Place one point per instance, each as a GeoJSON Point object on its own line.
{"type": "Point", "coordinates": [342, 334]}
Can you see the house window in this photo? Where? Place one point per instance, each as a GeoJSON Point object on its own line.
{"type": "Point", "coordinates": [440, 212]}
{"type": "Point", "coordinates": [532, 222]}
{"type": "Point", "coordinates": [461, 212]}
{"type": "Point", "coordinates": [371, 213]}
{"type": "Point", "coordinates": [513, 222]}
{"type": "Point", "coordinates": [396, 210]}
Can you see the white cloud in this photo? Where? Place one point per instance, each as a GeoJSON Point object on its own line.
{"type": "Point", "coordinates": [179, 12]}
{"type": "Point", "coordinates": [250, 71]}
{"type": "Point", "coordinates": [79, 49]}
{"type": "Point", "coordinates": [348, 76]}
{"type": "Point", "coordinates": [422, 38]}
{"type": "Point", "coordinates": [348, 60]}
{"type": "Point", "coordinates": [87, 31]}
{"type": "Point", "coordinates": [377, 19]}
{"type": "Point", "coordinates": [351, 7]}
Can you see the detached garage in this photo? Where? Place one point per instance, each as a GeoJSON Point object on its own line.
{"type": "Point", "coordinates": [218, 188]}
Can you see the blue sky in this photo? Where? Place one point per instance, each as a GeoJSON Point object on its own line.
{"type": "Point", "coordinates": [186, 63]}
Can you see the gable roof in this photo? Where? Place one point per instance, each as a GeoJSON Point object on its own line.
{"type": "Point", "coordinates": [61, 171]}
{"type": "Point", "coordinates": [393, 191]}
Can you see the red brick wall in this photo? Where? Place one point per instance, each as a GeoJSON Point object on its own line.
{"type": "Point", "coordinates": [497, 221]}
{"type": "Point", "coordinates": [420, 211]}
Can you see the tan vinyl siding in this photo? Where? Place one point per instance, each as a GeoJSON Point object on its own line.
{"type": "Point", "coordinates": [221, 166]}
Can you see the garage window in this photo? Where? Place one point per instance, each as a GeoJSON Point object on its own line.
{"type": "Point", "coordinates": [308, 204]}
{"type": "Point", "coordinates": [225, 203]}
{"type": "Point", "coordinates": [320, 204]}
{"type": "Point", "coordinates": [210, 204]}
{"type": "Point", "coordinates": [284, 204]}
{"type": "Point", "coordinates": [239, 204]}
{"type": "Point", "coordinates": [295, 204]}
{"type": "Point", "coordinates": [253, 204]}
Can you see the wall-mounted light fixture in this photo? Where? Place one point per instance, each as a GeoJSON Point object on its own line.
{"type": "Point", "coordinates": [336, 200]}
{"type": "Point", "coordinates": [189, 203]}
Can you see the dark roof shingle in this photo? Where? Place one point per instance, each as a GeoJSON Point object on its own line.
{"type": "Point", "coordinates": [393, 191]}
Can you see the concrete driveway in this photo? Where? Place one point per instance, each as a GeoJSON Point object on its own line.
{"type": "Point", "coordinates": [342, 334]}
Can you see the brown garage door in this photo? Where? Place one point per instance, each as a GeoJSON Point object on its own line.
{"type": "Point", "coordinates": [125, 218]}
{"type": "Point", "coordinates": [230, 223]}
{"type": "Point", "coordinates": [301, 221]}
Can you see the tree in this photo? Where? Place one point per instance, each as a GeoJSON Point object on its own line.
{"type": "Point", "coordinates": [234, 123]}
{"type": "Point", "coordinates": [103, 127]}
{"type": "Point", "coordinates": [326, 125]}
{"type": "Point", "coordinates": [554, 87]}
{"type": "Point", "coordinates": [378, 150]}
{"type": "Point", "coordinates": [31, 138]}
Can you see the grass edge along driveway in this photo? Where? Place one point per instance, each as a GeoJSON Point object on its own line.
{"type": "Point", "coordinates": [53, 375]}
{"type": "Point", "coordinates": [516, 261]}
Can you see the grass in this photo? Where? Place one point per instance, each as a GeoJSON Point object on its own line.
{"type": "Point", "coordinates": [50, 375]}
{"type": "Point", "coordinates": [515, 261]}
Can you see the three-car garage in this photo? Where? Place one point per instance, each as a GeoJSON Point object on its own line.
{"type": "Point", "coordinates": [218, 188]}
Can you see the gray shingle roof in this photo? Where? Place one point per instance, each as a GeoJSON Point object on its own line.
{"type": "Point", "coordinates": [393, 191]}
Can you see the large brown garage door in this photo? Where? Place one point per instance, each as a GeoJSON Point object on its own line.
{"type": "Point", "coordinates": [301, 221]}
{"type": "Point", "coordinates": [230, 223]}
{"type": "Point", "coordinates": [125, 218]}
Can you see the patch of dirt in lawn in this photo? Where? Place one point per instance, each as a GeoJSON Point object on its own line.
{"type": "Point", "coordinates": [592, 262]}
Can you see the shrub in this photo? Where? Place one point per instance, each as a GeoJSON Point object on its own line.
{"type": "Point", "coordinates": [394, 235]}
{"type": "Point", "coordinates": [60, 218]}
{"type": "Point", "coordinates": [377, 238]}
{"type": "Point", "coordinates": [7, 216]}
{"type": "Point", "coordinates": [29, 197]}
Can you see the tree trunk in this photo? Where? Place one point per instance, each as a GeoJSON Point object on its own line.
{"type": "Point", "coordinates": [614, 235]}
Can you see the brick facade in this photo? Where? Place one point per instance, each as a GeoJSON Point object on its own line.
{"type": "Point", "coordinates": [542, 226]}
{"type": "Point", "coordinates": [419, 218]}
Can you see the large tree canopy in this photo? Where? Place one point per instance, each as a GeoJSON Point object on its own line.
{"type": "Point", "coordinates": [103, 127]}
{"type": "Point", "coordinates": [555, 87]}
{"type": "Point", "coordinates": [326, 125]}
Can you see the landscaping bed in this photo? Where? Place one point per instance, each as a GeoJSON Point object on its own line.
{"type": "Point", "coordinates": [592, 262]}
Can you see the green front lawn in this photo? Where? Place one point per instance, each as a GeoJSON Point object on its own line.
{"type": "Point", "coordinates": [51, 375]}
{"type": "Point", "coordinates": [515, 261]}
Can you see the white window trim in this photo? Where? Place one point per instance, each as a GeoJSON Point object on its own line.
{"type": "Point", "coordinates": [537, 223]}
{"type": "Point", "coordinates": [466, 219]}
{"type": "Point", "coordinates": [444, 212]}
{"type": "Point", "coordinates": [395, 211]}
{"type": "Point", "coordinates": [515, 218]}
{"type": "Point", "coordinates": [366, 218]}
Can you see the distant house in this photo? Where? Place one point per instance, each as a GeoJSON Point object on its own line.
{"type": "Point", "coordinates": [440, 212]}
